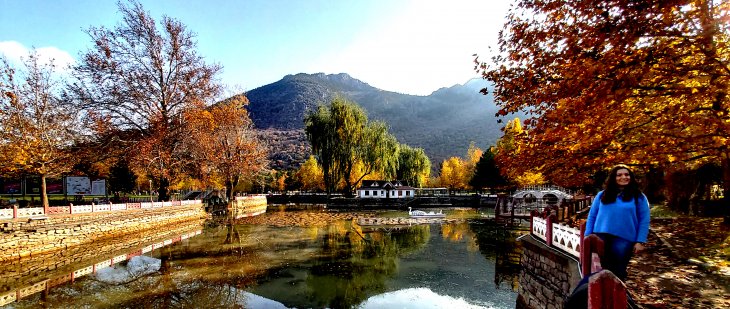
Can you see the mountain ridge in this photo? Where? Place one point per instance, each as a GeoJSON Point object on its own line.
{"type": "Point", "coordinates": [442, 123]}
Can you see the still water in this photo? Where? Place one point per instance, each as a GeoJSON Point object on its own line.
{"type": "Point", "coordinates": [471, 263]}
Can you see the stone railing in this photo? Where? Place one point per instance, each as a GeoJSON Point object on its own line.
{"type": "Point", "coordinates": [249, 205]}
{"type": "Point", "coordinates": [15, 212]}
{"type": "Point", "coordinates": [22, 292]}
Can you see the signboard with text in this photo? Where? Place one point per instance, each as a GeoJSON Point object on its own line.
{"type": "Point", "coordinates": [98, 187]}
{"type": "Point", "coordinates": [78, 185]}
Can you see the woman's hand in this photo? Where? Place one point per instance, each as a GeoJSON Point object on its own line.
{"type": "Point", "coordinates": [638, 247]}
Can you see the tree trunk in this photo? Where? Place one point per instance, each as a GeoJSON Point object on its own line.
{"type": "Point", "coordinates": [44, 196]}
{"type": "Point", "coordinates": [726, 183]}
{"type": "Point", "coordinates": [163, 190]}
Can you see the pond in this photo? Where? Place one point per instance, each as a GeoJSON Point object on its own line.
{"type": "Point", "coordinates": [468, 263]}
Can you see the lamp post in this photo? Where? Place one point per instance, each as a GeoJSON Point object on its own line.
{"type": "Point", "coordinates": [151, 191]}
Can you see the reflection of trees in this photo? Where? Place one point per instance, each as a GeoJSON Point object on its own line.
{"type": "Point", "coordinates": [338, 266]}
{"type": "Point", "coordinates": [500, 243]}
{"type": "Point", "coordinates": [456, 232]}
{"type": "Point", "coordinates": [355, 265]}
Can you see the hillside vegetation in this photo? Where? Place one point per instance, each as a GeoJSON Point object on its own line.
{"type": "Point", "coordinates": [442, 123]}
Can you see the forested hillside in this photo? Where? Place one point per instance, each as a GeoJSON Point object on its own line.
{"type": "Point", "coordinates": [442, 123]}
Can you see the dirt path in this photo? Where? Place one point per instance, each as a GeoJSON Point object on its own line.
{"type": "Point", "coordinates": [684, 265]}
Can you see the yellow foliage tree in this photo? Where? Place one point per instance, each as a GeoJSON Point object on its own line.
{"type": "Point", "coordinates": [310, 175]}
{"type": "Point", "coordinates": [453, 173]}
{"type": "Point", "coordinates": [36, 129]}
{"type": "Point", "coordinates": [529, 179]}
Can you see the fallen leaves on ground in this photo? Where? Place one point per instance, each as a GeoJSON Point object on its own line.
{"type": "Point", "coordinates": [683, 266]}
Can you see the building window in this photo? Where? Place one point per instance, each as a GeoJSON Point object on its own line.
{"type": "Point", "coordinates": [382, 193]}
{"type": "Point", "coordinates": [408, 193]}
{"type": "Point", "coordinates": [367, 192]}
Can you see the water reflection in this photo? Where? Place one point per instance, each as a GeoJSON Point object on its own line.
{"type": "Point", "coordinates": [340, 265]}
{"type": "Point", "coordinates": [416, 298]}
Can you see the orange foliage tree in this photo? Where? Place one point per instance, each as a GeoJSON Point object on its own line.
{"type": "Point", "coordinates": [639, 82]}
{"type": "Point", "coordinates": [224, 144]}
{"type": "Point", "coordinates": [37, 129]}
{"type": "Point", "coordinates": [141, 78]}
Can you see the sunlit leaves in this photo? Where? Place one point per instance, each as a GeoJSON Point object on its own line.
{"type": "Point", "coordinates": [223, 143]}
{"type": "Point", "coordinates": [37, 129]}
{"type": "Point", "coordinates": [310, 175]}
{"type": "Point", "coordinates": [636, 82]}
{"type": "Point", "coordinates": [342, 138]}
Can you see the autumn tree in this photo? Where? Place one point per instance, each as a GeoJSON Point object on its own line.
{"type": "Point", "coordinates": [223, 142]}
{"type": "Point", "coordinates": [38, 130]}
{"type": "Point", "coordinates": [310, 175]}
{"type": "Point", "coordinates": [473, 155]}
{"type": "Point", "coordinates": [639, 82]}
{"type": "Point", "coordinates": [453, 173]}
{"type": "Point", "coordinates": [319, 128]}
{"type": "Point", "coordinates": [141, 76]}
{"type": "Point", "coordinates": [414, 167]}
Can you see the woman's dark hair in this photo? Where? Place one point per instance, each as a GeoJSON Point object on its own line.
{"type": "Point", "coordinates": [611, 189]}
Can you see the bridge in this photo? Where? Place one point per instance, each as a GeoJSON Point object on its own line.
{"type": "Point", "coordinates": [526, 200]}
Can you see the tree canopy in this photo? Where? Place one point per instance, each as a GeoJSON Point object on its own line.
{"type": "Point", "coordinates": [413, 166]}
{"type": "Point", "coordinates": [350, 148]}
{"type": "Point", "coordinates": [638, 82]}
{"type": "Point", "coordinates": [224, 144]}
{"type": "Point", "coordinates": [141, 76]}
{"type": "Point", "coordinates": [37, 129]}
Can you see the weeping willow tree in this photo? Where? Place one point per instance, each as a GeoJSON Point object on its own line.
{"type": "Point", "coordinates": [342, 137]}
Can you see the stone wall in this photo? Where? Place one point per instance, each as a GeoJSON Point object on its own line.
{"type": "Point", "coordinates": [547, 276]}
{"type": "Point", "coordinates": [23, 238]}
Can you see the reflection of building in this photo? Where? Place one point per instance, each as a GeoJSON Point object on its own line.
{"type": "Point", "coordinates": [385, 189]}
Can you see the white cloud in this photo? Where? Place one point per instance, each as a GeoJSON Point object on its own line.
{"type": "Point", "coordinates": [16, 53]}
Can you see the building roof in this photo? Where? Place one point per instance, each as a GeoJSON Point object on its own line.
{"type": "Point", "coordinates": [385, 184]}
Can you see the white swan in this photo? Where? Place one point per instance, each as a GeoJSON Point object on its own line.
{"type": "Point", "coordinates": [423, 214]}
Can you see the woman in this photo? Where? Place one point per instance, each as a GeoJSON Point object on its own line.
{"type": "Point", "coordinates": [620, 216]}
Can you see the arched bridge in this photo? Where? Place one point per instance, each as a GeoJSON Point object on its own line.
{"type": "Point", "coordinates": [547, 195]}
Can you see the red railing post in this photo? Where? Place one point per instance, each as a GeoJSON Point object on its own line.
{"type": "Point", "coordinates": [15, 211]}
{"type": "Point", "coordinates": [591, 244]}
{"type": "Point", "coordinates": [533, 213]}
{"type": "Point", "coordinates": [606, 291]}
{"type": "Point", "coordinates": [549, 230]}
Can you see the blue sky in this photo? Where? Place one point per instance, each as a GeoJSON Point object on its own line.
{"type": "Point", "coordinates": [412, 47]}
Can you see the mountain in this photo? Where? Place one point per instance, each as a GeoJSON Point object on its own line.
{"type": "Point", "coordinates": [442, 123]}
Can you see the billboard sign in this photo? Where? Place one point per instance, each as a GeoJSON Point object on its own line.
{"type": "Point", "coordinates": [78, 185]}
{"type": "Point", "coordinates": [98, 187]}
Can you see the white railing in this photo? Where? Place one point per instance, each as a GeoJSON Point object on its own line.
{"type": "Point", "coordinates": [6, 213]}
{"type": "Point", "coordinates": [15, 212]}
{"type": "Point", "coordinates": [118, 206]}
{"type": "Point", "coordinates": [539, 228]}
{"type": "Point", "coordinates": [557, 235]}
{"type": "Point", "coordinates": [29, 212]}
{"type": "Point", "coordinates": [566, 238]}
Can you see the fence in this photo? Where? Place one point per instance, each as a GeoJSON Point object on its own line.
{"type": "Point", "coordinates": [605, 290]}
{"type": "Point", "coordinates": [15, 212]}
